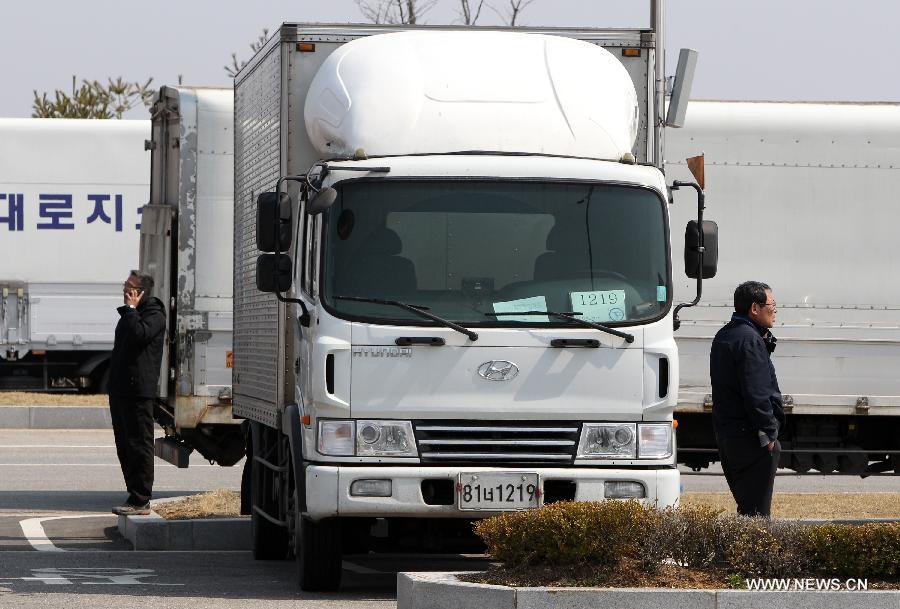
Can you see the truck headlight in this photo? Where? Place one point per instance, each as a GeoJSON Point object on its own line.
{"type": "Point", "coordinates": [336, 438]}
{"type": "Point", "coordinates": [607, 441]}
{"type": "Point", "coordinates": [365, 438]}
{"type": "Point", "coordinates": [654, 440]}
{"type": "Point", "coordinates": [385, 439]}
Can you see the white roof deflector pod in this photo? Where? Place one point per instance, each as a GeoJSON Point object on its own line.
{"type": "Point", "coordinates": [471, 91]}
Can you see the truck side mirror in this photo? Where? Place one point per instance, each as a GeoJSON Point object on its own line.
{"type": "Point", "coordinates": [692, 249]}
{"type": "Point", "coordinates": [272, 276]}
{"type": "Point", "coordinates": [273, 222]}
{"type": "Point", "coordinates": [321, 201]}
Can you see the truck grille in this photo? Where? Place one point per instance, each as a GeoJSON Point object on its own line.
{"type": "Point", "coordinates": [499, 441]}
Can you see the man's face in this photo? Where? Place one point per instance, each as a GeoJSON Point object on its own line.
{"type": "Point", "coordinates": [764, 314]}
{"type": "Point", "coordinates": [131, 288]}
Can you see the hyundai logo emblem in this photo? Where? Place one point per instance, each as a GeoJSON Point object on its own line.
{"type": "Point", "coordinates": [498, 370]}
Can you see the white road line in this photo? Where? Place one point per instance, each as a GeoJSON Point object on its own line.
{"type": "Point", "coordinates": [33, 530]}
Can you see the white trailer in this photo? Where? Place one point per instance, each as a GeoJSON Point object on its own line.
{"type": "Point", "coordinates": [186, 239]}
{"type": "Point", "coordinates": [805, 195]}
{"type": "Point", "coordinates": [71, 193]}
{"type": "Point", "coordinates": [467, 307]}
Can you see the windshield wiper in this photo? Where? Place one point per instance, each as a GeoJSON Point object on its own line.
{"type": "Point", "coordinates": [418, 309]}
{"type": "Point", "coordinates": [570, 315]}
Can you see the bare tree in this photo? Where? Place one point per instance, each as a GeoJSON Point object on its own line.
{"type": "Point", "coordinates": [469, 15]}
{"type": "Point", "coordinates": [514, 11]}
{"type": "Point", "coordinates": [395, 11]}
{"type": "Point", "coordinates": [93, 99]}
{"type": "Point", "coordinates": [236, 65]}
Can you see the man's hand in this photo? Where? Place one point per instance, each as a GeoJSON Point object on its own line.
{"type": "Point", "coordinates": [132, 297]}
{"type": "Point", "coordinates": [771, 446]}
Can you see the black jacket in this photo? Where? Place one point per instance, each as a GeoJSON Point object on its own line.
{"type": "Point", "coordinates": [137, 354]}
{"type": "Point", "coordinates": [745, 393]}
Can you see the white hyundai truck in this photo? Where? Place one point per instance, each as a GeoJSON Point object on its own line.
{"type": "Point", "coordinates": [453, 280]}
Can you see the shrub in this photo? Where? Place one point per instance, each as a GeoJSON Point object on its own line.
{"type": "Point", "coordinates": [696, 537]}
{"type": "Point", "coordinates": [567, 533]}
{"type": "Point", "coordinates": [601, 534]}
{"type": "Point", "coordinates": [868, 550]}
{"type": "Point", "coordinates": [765, 548]}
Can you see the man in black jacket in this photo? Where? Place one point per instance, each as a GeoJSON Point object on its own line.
{"type": "Point", "coordinates": [747, 407]}
{"type": "Point", "coordinates": [133, 378]}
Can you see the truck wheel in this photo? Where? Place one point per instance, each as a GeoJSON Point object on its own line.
{"type": "Point", "coordinates": [270, 541]}
{"type": "Point", "coordinates": [318, 551]}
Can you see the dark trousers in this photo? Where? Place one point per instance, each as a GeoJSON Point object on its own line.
{"type": "Point", "coordinates": [132, 420]}
{"type": "Point", "coordinates": [750, 472]}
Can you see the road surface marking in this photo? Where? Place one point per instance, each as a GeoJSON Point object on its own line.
{"type": "Point", "coordinates": [33, 530]}
{"type": "Point", "coordinates": [114, 576]}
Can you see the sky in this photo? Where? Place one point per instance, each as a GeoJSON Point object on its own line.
{"type": "Point", "coordinates": [821, 50]}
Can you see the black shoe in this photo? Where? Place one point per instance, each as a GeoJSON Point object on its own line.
{"type": "Point", "coordinates": [132, 510]}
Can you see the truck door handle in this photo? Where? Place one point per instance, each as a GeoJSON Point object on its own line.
{"type": "Point", "coordinates": [590, 343]}
{"type": "Point", "coordinates": [433, 341]}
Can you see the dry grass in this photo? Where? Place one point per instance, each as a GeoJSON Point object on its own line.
{"type": "Point", "coordinates": [221, 503]}
{"type": "Point", "coordinates": [21, 398]}
{"type": "Point", "coordinates": [824, 506]}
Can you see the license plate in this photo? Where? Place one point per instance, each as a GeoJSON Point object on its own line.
{"type": "Point", "coordinates": [498, 491]}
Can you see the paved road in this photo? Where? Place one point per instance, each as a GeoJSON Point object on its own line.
{"type": "Point", "coordinates": [711, 480]}
{"type": "Point", "coordinates": [68, 480]}
{"type": "Point", "coordinates": [91, 579]}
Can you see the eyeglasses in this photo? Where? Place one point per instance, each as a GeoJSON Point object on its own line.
{"type": "Point", "coordinates": [769, 304]}
{"type": "Point", "coordinates": [128, 286]}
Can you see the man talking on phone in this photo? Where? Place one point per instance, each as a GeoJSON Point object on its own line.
{"type": "Point", "coordinates": [133, 379]}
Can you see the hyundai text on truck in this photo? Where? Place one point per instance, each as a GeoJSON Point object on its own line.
{"type": "Point", "coordinates": [71, 193]}
{"type": "Point", "coordinates": [453, 280]}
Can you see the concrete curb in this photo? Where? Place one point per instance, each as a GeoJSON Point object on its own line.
{"type": "Point", "coordinates": [55, 417]}
{"type": "Point", "coordinates": [445, 591]}
{"type": "Point", "coordinates": [155, 533]}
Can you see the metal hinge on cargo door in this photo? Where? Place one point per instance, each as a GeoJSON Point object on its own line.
{"type": "Point", "coordinates": [193, 321]}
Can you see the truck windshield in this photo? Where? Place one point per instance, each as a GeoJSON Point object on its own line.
{"type": "Point", "coordinates": [465, 249]}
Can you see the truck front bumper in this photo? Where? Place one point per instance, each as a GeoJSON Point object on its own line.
{"type": "Point", "coordinates": [328, 488]}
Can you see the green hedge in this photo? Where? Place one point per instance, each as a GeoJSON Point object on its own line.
{"type": "Point", "coordinates": [602, 534]}
{"type": "Point", "coordinates": [871, 549]}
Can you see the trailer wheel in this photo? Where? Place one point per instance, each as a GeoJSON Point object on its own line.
{"type": "Point", "coordinates": [270, 541]}
{"type": "Point", "coordinates": [318, 551]}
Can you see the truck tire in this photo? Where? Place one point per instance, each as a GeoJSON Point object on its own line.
{"type": "Point", "coordinates": [318, 551]}
{"type": "Point", "coordinates": [270, 541]}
